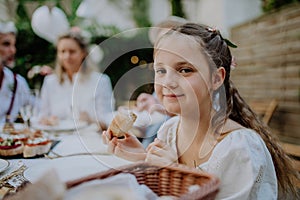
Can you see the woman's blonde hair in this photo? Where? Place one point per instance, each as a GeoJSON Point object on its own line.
{"type": "Point", "coordinates": [87, 65]}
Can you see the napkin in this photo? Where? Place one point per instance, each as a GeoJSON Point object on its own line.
{"type": "Point", "coordinates": [122, 186]}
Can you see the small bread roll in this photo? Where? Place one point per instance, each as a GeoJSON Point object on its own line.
{"type": "Point", "coordinates": [122, 123]}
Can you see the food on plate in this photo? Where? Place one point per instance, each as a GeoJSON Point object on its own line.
{"type": "Point", "coordinates": [26, 142]}
{"type": "Point", "coordinates": [11, 147]}
{"type": "Point", "coordinates": [36, 146]}
{"type": "Point", "coordinates": [122, 123]}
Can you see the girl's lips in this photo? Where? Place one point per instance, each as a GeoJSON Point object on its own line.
{"type": "Point", "coordinates": [173, 95]}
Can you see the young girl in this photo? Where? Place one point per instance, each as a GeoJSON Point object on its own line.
{"type": "Point", "coordinates": [215, 129]}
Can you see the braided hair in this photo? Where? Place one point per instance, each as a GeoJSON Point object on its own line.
{"type": "Point", "coordinates": [234, 107]}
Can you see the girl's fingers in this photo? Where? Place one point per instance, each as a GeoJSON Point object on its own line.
{"type": "Point", "coordinates": [157, 143]}
{"type": "Point", "coordinates": [111, 145]}
{"type": "Point", "coordinates": [158, 150]}
{"type": "Point", "coordinates": [129, 155]}
{"type": "Point", "coordinates": [154, 159]}
{"type": "Point", "coordinates": [106, 137]}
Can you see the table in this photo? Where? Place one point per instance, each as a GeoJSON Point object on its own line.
{"type": "Point", "coordinates": [82, 153]}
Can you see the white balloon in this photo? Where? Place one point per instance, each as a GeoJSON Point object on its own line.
{"type": "Point", "coordinates": [49, 23]}
{"type": "Point", "coordinates": [163, 7]}
{"type": "Point", "coordinates": [106, 12]}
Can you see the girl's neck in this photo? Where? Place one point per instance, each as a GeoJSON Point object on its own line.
{"type": "Point", "coordinates": [195, 142]}
{"type": "Point", "coordinates": [192, 131]}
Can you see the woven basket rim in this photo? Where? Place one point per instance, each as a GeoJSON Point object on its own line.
{"type": "Point", "coordinates": [209, 187]}
{"type": "Point", "coordinates": [173, 166]}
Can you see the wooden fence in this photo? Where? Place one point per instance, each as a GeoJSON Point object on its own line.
{"type": "Point", "coordinates": [268, 57]}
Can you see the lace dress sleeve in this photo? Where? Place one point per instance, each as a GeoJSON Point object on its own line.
{"type": "Point", "coordinates": [244, 166]}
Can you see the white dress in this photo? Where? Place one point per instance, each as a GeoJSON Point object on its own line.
{"type": "Point", "coordinates": [93, 95]}
{"type": "Point", "coordinates": [22, 95]}
{"type": "Point", "coordinates": [241, 161]}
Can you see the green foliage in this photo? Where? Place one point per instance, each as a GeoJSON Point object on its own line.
{"type": "Point", "coordinates": [177, 8]}
{"type": "Point", "coordinates": [269, 5]}
{"type": "Point", "coordinates": [140, 14]}
{"type": "Point", "coordinates": [33, 50]}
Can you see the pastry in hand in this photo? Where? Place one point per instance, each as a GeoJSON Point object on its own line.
{"type": "Point", "coordinates": [122, 123]}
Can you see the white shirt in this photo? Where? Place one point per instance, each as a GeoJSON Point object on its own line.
{"type": "Point", "coordinates": [241, 161]}
{"type": "Point", "coordinates": [92, 95]}
{"type": "Point", "coordinates": [21, 96]}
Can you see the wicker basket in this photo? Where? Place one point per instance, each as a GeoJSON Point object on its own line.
{"type": "Point", "coordinates": [171, 180]}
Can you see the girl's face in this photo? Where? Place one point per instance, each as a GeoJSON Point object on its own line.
{"type": "Point", "coordinates": [8, 48]}
{"type": "Point", "coordinates": [182, 75]}
{"type": "Point", "coordinates": [70, 55]}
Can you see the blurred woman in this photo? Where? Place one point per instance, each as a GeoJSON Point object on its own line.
{"type": "Point", "coordinates": [76, 90]}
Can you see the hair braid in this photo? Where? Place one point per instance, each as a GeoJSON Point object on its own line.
{"type": "Point", "coordinates": [243, 114]}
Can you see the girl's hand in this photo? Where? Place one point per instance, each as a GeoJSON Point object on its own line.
{"type": "Point", "coordinates": [160, 153]}
{"type": "Point", "coordinates": [128, 148]}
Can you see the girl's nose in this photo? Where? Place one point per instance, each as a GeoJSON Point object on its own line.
{"type": "Point", "coordinates": [171, 80]}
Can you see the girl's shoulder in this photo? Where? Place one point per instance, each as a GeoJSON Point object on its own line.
{"type": "Point", "coordinates": [243, 152]}
{"type": "Point", "coordinates": [243, 142]}
{"type": "Point", "coordinates": [242, 134]}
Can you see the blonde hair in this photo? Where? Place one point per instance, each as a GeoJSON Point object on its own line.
{"type": "Point", "coordinates": [87, 65]}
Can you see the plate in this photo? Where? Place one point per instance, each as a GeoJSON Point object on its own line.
{"type": "Point", "coordinates": [70, 168]}
{"type": "Point", "coordinates": [63, 125]}
{"type": "Point", "coordinates": [4, 164]}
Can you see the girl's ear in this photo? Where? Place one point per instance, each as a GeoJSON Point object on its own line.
{"type": "Point", "coordinates": [218, 78]}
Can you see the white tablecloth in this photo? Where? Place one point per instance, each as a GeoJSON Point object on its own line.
{"type": "Point", "coordinates": [86, 140]}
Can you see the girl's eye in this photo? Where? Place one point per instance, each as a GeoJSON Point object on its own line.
{"type": "Point", "coordinates": [160, 71]}
{"type": "Point", "coordinates": [186, 70]}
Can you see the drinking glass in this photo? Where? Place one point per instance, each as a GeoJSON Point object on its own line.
{"type": "Point", "coordinates": [26, 113]}
{"type": "Point", "coordinates": [30, 109]}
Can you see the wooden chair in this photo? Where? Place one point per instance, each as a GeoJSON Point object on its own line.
{"type": "Point", "coordinates": [293, 150]}
{"type": "Point", "coordinates": [264, 109]}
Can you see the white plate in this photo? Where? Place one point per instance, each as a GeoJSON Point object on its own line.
{"type": "Point", "coordinates": [63, 125]}
{"type": "Point", "coordinates": [70, 168]}
{"type": "Point", "coordinates": [4, 164]}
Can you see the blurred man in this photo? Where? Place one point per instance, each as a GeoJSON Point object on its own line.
{"type": "Point", "coordinates": [14, 90]}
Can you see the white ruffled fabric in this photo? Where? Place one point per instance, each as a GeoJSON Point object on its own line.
{"type": "Point", "coordinates": [94, 95]}
{"type": "Point", "coordinates": [241, 161]}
